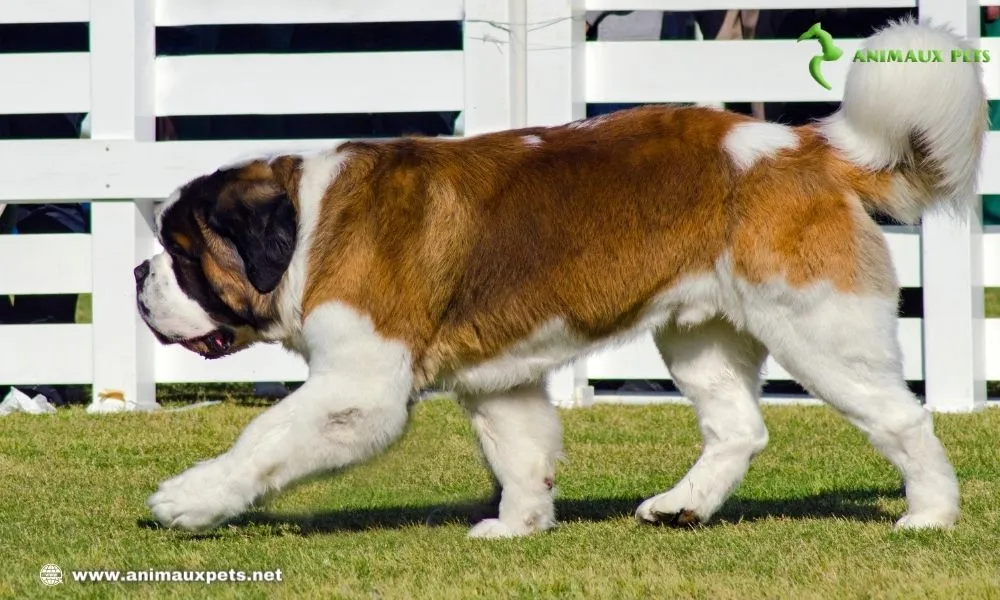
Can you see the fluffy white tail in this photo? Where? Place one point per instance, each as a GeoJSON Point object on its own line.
{"type": "Point", "coordinates": [923, 121]}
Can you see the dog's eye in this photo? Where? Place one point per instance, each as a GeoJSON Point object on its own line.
{"type": "Point", "coordinates": [175, 250]}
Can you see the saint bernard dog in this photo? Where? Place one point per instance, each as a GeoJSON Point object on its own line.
{"type": "Point", "coordinates": [481, 264]}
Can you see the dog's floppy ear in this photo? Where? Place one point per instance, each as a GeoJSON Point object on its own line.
{"type": "Point", "coordinates": [260, 221]}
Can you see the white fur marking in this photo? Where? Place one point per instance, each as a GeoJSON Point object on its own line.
{"type": "Point", "coordinates": [318, 171]}
{"type": "Point", "coordinates": [551, 345]}
{"type": "Point", "coordinates": [170, 311]}
{"type": "Point", "coordinates": [532, 140]}
{"type": "Point", "coordinates": [748, 143]}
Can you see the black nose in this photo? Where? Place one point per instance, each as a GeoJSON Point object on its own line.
{"type": "Point", "coordinates": [141, 272]}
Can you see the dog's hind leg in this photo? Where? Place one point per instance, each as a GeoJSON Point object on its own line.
{"type": "Point", "coordinates": [521, 438]}
{"type": "Point", "coordinates": [844, 349]}
{"type": "Point", "coordinates": [718, 370]}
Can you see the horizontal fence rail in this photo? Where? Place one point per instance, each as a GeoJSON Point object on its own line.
{"type": "Point", "coordinates": [172, 13]}
{"type": "Point", "coordinates": [58, 263]}
{"type": "Point", "coordinates": [350, 82]}
{"type": "Point", "coordinates": [47, 11]}
{"type": "Point", "coordinates": [45, 83]}
{"type": "Point", "coordinates": [67, 170]}
{"type": "Point", "coordinates": [728, 71]}
{"type": "Point", "coordinates": [521, 64]}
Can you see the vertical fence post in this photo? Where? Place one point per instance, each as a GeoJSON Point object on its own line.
{"type": "Point", "coordinates": [952, 273]}
{"type": "Point", "coordinates": [555, 37]}
{"type": "Point", "coordinates": [492, 96]}
{"type": "Point", "coordinates": [555, 60]}
{"type": "Point", "coordinates": [122, 50]}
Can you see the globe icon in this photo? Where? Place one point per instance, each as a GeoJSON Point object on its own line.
{"type": "Point", "coordinates": [50, 574]}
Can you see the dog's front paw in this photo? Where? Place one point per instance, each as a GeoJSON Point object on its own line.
{"type": "Point", "coordinates": [493, 529]}
{"type": "Point", "coordinates": [201, 498]}
{"type": "Point", "coordinates": [942, 520]}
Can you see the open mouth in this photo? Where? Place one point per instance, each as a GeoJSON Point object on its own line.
{"type": "Point", "coordinates": [214, 344]}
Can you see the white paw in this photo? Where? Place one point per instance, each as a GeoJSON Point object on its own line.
{"type": "Point", "coordinates": [935, 520]}
{"type": "Point", "coordinates": [495, 528]}
{"type": "Point", "coordinates": [674, 507]}
{"type": "Point", "coordinates": [201, 498]}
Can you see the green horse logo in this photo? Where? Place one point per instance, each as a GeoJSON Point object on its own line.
{"type": "Point", "coordinates": [830, 52]}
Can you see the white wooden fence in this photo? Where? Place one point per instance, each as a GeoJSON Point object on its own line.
{"type": "Point", "coordinates": [524, 62]}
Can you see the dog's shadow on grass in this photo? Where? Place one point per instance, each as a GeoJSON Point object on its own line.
{"type": "Point", "coordinates": [853, 505]}
{"type": "Point", "coordinates": [859, 505]}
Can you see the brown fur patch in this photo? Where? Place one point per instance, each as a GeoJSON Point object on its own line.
{"type": "Point", "coordinates": [799, 218]}
{"type": "Point", "coordinates": [461, 248]}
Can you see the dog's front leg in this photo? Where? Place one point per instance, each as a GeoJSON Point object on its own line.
{"type": "Point", "coordinates": [353, 405]}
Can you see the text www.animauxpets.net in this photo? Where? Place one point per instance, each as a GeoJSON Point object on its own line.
{"type": "Point", "coordinates": [52, 575]}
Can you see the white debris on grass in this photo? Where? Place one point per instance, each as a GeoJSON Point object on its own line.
{"type": "Point", "coordinates": [18, 401]}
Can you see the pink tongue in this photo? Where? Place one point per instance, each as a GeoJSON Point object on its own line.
{"type": "Point", "coordinates": [217, 340]}
{"type": "Point", "coordinates": [214, 339]}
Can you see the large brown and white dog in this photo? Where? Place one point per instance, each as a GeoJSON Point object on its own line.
{"type": "Point", "coordinates": [481, 264]}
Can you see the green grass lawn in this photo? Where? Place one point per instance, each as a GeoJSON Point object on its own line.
{"type": "Point", "coordinates": [812, 519]}
{"type": "Point", "coordinates": [991, 297]}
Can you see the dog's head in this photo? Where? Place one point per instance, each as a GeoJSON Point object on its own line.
{"type": "Point", "coordinates": [228, 240]}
